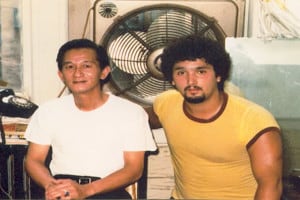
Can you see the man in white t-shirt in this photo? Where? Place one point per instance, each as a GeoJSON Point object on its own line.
{"type": "Point", "coordinates": [98, 140]}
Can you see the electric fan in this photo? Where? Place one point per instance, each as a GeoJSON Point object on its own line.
{"type": "Point", "coordinates": [136, 40]}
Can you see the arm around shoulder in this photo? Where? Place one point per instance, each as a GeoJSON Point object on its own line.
{"type": "Point", "coordinates": [153, 118]}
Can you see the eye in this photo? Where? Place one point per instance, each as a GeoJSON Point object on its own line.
{"type": "Point", "coordinates": [68, 67]}
{"type": "Point", "coordinates": [180, 73]}
{"type": "Point", "coordinates": [201, 71]}
{"type": "Point", "coordinates": [86, 66]}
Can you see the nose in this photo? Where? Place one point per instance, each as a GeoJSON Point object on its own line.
{"type": "Point", "coordinates": [78, 71]}
{"type": "Point", "coordinates": [191, 78]}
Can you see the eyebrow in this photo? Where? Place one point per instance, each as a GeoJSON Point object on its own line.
{"type": "Point", "coordinates": [85, 61]}
{"type": "Point", "coordinates": [198, 67]}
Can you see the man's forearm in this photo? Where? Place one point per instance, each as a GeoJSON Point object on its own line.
{"type": "Point", "coordinates": [39, 173]}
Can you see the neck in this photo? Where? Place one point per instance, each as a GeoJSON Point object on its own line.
{"type": "Point", "coordinates": [90, 102]}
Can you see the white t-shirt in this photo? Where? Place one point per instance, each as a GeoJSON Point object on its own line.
{"type": "Point", "coordinates": [90, 143]}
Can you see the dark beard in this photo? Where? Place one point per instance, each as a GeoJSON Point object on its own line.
{"type": "Point", "coordinates": [194, 100]}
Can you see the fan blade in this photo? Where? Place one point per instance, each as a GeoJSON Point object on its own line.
{"type": "Point", "coordinates": [169, 25]}
{"type": "Point", "coordinates": [128, 54]}
{"type": "Point", "coordinates": [207, 28]}
{"type": "Point", "coordinates": [134, 84]}
{"type": "Point", "coordinates": [137, 37]}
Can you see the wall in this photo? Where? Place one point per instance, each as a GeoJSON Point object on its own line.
{"type": "Point", "coordinates": [44, 30]}
{"type": "Point", "coordinates": [274, 75]}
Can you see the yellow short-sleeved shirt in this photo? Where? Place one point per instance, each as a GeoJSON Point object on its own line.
{"type": "Point", "coordinates": [210, 157]}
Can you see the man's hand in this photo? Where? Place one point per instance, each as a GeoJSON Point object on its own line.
{"type": "Point", "coordinates": [65, 189]}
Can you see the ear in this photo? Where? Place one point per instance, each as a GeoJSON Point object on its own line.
{"type": "Point", "coordinates": [105, 72]}
{"type": "Point", "coordinates": [219, 78]}
{"type": "Point", "coordinates": [61, 76]}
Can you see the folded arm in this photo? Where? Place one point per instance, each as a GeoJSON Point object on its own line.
{"type": "Point", "coordinates": [131, 172]}
{"type": "Point", "coordinates": [38, 171]}
{"type": "Point", "coordinates": [35, 164]}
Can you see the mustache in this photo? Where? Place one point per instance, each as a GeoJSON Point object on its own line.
{"type": "Point", "coordinates": [192, 87]}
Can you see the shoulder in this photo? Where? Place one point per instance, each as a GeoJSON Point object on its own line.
{"type": "Point", "coordinates": [169, 95]}
{"type": "Point", "coordinates": [231, 88]}
{"type": "Point", "coordinates": [167, 100]}
{"type": "Point", "coordinates": [249, 109]}
{"type": "Point", "coordinates": [59, 100]}
{"type": "Point", "coordinates": [123, 104]}
{"type": "Point", "coordinates": [245, 104]}
{"type": "Point", "coordinates": [57, 104]}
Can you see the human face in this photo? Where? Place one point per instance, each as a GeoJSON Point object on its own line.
{"type": "Point", "coordinates": [195, 80]}
{"type": "Point", "coordinates": [81, 71]}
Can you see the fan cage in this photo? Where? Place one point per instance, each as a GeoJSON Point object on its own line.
{"type": "Point", "coordinates": [132, 38]}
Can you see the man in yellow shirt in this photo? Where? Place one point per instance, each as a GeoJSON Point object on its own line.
{"type": "Point", "coordinates": [223, 147]}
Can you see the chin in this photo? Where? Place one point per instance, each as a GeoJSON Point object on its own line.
{"type": "Point", "coordinates": [194, 100]}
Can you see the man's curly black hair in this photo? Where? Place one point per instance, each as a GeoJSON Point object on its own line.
{"type": "Point", "coordinates": [194, 47]}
